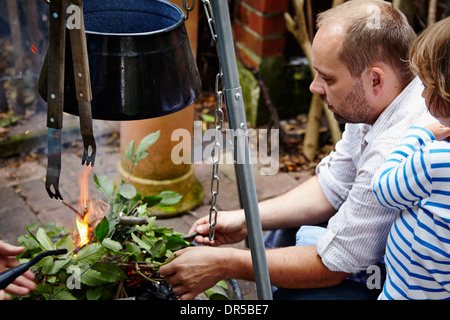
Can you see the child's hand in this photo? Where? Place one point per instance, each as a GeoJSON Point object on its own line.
{"type": "Point", "coordinates": [439, 131]}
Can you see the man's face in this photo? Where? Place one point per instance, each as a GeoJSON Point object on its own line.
{"type": "Point", "coordinates": [344, 95]}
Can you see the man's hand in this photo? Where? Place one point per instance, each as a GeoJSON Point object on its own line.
{"type": "Point", "coordinates": [194, 270]}
{"type": "Point", "coordinates": [23, 284]}
{"type": "Point", "coordinates": [230, 228]}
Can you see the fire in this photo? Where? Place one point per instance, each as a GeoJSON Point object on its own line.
{"type": "Point", "coordinates": [83, 231]}
{"type": "Point", "coordinates": [88, 209]}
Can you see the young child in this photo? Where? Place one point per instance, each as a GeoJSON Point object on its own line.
{"type": "Point", "coordinates": [416, 181]}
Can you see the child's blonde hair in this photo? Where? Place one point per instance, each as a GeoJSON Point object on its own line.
{"type": "Point", "coordinates": [430, 59]}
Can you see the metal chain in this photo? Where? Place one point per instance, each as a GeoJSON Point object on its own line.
{"type": "Point", "coordinates": [218, 123]}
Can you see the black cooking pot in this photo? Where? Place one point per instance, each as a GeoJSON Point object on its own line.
{"type": "Point", "coordinates": [140, 59]}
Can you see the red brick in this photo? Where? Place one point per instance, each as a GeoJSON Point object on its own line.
{"type": "Point", "coordinates": [263, 47]}
{"type": "Point", "coordinates": [273, 46]}
{"type": "Point", "coordinates": [268, 6]}
{"type": "Point", "coordinates": [243, 15]}
{"type": "Point", "coordinates": [249, 61]}
{"type": "Point", "coordinates": [269, 25]}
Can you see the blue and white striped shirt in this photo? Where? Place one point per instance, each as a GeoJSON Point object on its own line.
{"type": "Point", "coordinates": [416, 181]}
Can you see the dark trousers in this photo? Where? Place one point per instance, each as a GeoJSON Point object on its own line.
{"type": "Point", "coordinates": [346, 290]}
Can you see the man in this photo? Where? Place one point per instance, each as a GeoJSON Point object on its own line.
{"type": "Point", "coordinates": [360, 53]}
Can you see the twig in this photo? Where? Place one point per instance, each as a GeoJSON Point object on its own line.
{"type": "Point", "coordinates": [143, 275]}
{"type": "Point", "coordinates": [73, 209]}
{"type": "Point", "coordinates": [131, 221]}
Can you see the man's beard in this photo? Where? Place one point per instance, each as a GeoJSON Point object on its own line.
{"type": "Point", "coordinates": [354, 108]}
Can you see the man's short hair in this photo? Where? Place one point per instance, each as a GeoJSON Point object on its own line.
{"type": "Point", "coordinates": [375, 32]}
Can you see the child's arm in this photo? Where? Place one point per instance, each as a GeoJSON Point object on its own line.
{"type": "Point", "coordinates": [404, 178]}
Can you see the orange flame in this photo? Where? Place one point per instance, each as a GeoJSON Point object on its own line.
{"type": "Point", "coordinates": [83, 231]}
{"type": "Point", "coordinates": [87, 208]}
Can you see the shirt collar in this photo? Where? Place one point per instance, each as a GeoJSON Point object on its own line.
{"type": "Point", "coordinates": [394, 112]}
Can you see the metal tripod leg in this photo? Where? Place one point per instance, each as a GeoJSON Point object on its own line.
{"type": "Point", "coordinates": [237, 121]}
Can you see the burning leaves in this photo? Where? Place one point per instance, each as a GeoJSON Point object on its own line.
{"type": "Point", "coordinates": [101, 246]}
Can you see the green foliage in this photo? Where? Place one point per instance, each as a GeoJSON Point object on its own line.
{"type": "Point", "coordinates": [7, 120]}
{"type": "Point", "coordinates": [141, 151]}
{"type": "Point", "coordinates": [92, 272]}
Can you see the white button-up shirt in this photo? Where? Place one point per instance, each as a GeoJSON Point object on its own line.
{"type": "Point", "coordinates": [356, 235]}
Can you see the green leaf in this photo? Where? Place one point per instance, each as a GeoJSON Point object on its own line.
{"type": "Point", "coordinates": [213, 294]}
{"type": "Point", "coordinates": [169, 198]}
{"type": "Point", "coordinates": [112, 245]}
{"type": "Point", "coordinates": [101, 230]}
{"type": "Point", "coordinates": [135, 250]}
{"type": "Point", "coordinates": [175, 243]}
{"type": "Point", "coordinates": [108, 272]}
{"type": "Point", "coordinates": [158, 249]}
{"type": "Point", "coordinates": [57, 266]}
{"type": "Point", "coordinates": [91, 278]}
{"type": "Point", "coordinates": [65, 243]}
{"type": "Point", "coordinates": [142, 210]}
{"type": "Point", "coordinates": [90, 253]}
{"type": "Point", "coordinates": [94, 293]}
{"type": "Point", "coordinates": [218, 291]}
{"type": "Point", "coordinates": [127, 191]}
{"type": "Point", "coordinates": [29, 241]}
{"type": "Point", "coordinates": [104, 185]}
{"type": "Point", "coordinates": [141, 243]}
{"type": "Point", "coordinates": [54, 231]}
{"type": "Point", "coordinates": [151, 201]}
{"type": "Point", "coordinates": [130, 150]}
{"type": "Point", "coordinates": [145, 143]}
{"type": "Point", "coordinates": [44, 240]}
{"type": "Point", "coordinates": [46, 263]}
{"type": "Point", "coordinates": [222, 284]}
{"type": "Point", "coordinates": [166, 209]}
{"type": "Point", "coordinates": [63, 295]}
{"type": "Point", "coordinates": [31, 227]}
{"type": "Point", "coordinates": [207, 118]}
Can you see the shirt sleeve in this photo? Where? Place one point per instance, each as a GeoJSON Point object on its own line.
{"type": "Point", "coordinates": [405, 179]}
{"type": "Point", "coordinates": [337, 171]}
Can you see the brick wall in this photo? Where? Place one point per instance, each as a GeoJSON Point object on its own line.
{"type": "Point", "coordinates": [259, 29]}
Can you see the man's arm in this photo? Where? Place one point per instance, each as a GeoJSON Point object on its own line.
{"type": "Point", "coordinates": [296, 267]}
{"type": "Point", "coordinates": [198, 269]}
{"type": "Point", "coordinates": [305, 204]}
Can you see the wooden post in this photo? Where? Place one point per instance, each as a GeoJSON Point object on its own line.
{"type": "Point", "coordinates": [14, 24]}
{"type": "Point", "coordinates": [32, 14]}
{"type": "Point", "coordinates": [432, 12]}
{"type": "Point", "coordinates": [3, 101]}
{"type": "Point", "coordinates": [299, 30]}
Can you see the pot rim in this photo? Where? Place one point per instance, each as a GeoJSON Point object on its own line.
{"type": "Point", "coordinates": [148, 33]}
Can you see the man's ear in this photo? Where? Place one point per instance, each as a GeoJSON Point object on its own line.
{"type": "Point", "coordinates": [377, 78]}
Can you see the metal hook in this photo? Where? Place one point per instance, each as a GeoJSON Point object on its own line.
{"type": "Point", "coordinates": [186, 7]}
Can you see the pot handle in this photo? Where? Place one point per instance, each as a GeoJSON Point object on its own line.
{"type": "Point", "coordinates": [187, 8]}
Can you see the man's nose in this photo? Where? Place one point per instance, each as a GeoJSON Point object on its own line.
{"type": "Point", "coordinates": [316, 87]}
